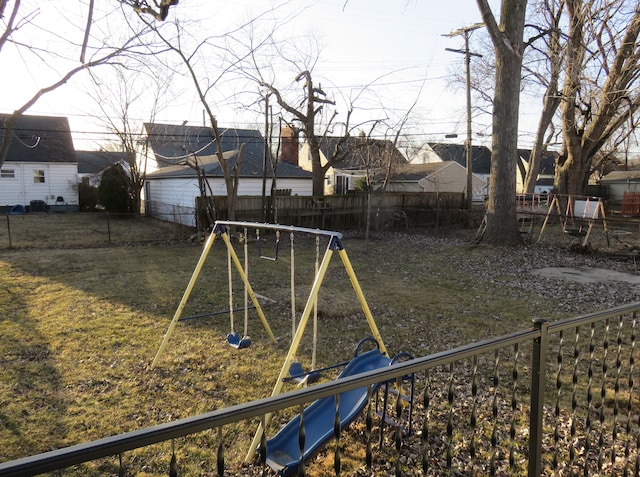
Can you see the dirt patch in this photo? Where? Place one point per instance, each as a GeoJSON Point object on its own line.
{"type": "Point", "coordinates": [587, 275]}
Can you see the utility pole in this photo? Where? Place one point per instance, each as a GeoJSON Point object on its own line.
{"type": "Point", "coordinates": [265, 153]}
{"type": "Point", "coordinates": [466, 32]}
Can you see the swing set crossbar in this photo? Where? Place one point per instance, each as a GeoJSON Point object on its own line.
{"type": "Point", "coordinates": [281, 228]}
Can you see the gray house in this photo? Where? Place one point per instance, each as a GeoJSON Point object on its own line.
{"type": "Point", "coordinates": [358, 158]}
{"type": "Point", "coordinates": [181, 158]}
{"type": "Point", "coordinates": [41, 169]}
{"type": "Point", "coordinates": [91, 164]}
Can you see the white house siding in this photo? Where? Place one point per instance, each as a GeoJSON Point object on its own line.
{"type": "Point", "coordinates": [60, 180]}
{"type": "Point", "coordinates": [617, 189]}
{"type": "Point", "coordinates": [453, 178]}
{"type": "Point", "coordinates": [173, 199]}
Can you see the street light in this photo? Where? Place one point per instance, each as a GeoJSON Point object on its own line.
{"type": "Point", "coordinates": [466, 32]}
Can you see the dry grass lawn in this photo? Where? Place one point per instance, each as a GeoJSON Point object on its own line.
{"type": "Point", "coordinates": [79, 328]}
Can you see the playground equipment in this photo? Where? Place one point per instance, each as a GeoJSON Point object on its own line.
{"type": "Point", "coordinates": [219, 231]}
{"type": "Point", "coordinates": [233, 338]}
{"type": "Point", "coordinates": [334, 244]}
{"type": "Point", "coordinates": [284, 453]}
{"type": "Point", "coordinates": [291, 368]}
{"type": "Point", "coordinates": [579, 216]}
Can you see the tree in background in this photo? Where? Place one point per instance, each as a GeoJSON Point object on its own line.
{"type": "Point", "coordinates": [306, 115]}
{"type": "Point", "coordinates": [545, 56]}
{"type": "Point", "coordinates": [507, 39]}
{"type": "Point", "coordinates": [134, 82]}
{"type": "Point", "coordinates": [87, 196]}
{"type": "Point", "coordinates": [158, 9]}
{"type": "Point", "coordinates": [600, 91]}
{"type": "Point", "coordinates": [113, 193]}
{"type": "Point", "coordinates": [71, 57]}
{"type": "Point", "coordinates": [196, 58]}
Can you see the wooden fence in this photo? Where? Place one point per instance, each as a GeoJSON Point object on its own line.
{"type": "Point", "coordinates": [388, 210]}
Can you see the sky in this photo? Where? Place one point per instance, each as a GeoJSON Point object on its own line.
{"type": "Point", "coordinates": [397, 47]}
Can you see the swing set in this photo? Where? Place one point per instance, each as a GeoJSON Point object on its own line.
{"type": "Point", "coordinates": [578, 218]}
{"type": "Point", "coordinates": [291, 369]}
{"type": "Point", "coordinates": [294, 370]}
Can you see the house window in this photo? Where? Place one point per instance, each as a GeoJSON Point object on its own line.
{"type": "Point", "coordinates": [38, 176]}
{"type": "Point", "coordinates": [7, 174]}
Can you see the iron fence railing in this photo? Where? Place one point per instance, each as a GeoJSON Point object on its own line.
{"type": "Point", "coordinates": [558, 399]}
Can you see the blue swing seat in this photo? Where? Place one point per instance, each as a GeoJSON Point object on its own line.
{"type": "Point", "coordinates": [299, 375]}
{"type": "Point", "coordinates": [237, 342]}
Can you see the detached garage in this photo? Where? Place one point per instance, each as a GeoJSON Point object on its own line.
{"type": "Point", "coordinates": [171, 192]}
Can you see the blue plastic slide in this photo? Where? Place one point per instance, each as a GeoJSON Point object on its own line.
{"type": "Point", "coordinates": [283, 450]}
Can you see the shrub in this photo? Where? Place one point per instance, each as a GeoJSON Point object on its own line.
{"type": "Point", "coordinates": [114, 194]}
{"type": "Point", "coordinates": [87, 196]}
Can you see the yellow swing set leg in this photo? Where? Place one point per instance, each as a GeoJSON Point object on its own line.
{"type": "Point", "coordinates": [185, 297]}
{"type": "Point", "coordinates": [313, 296]}
{"type": "Point", "coordinates": [191, 284]}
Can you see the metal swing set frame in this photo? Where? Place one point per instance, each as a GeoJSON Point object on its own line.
{"type": "Point", "coordinates": [221, 230]}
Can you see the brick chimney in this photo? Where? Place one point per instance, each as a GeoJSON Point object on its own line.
{"type": "Point", "coordinates": [289, 139]}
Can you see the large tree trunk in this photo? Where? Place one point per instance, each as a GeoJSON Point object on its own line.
{"type": "Point", "coordinates": [592, 113]}
{"type": "Point", "coordinates": [502, 224]}
{"type": "Point", "coordinates": [572, 173]}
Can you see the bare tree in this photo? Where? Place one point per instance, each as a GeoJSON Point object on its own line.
{"type": "Point", "coordinates": [600, 92]}
{"type": "Point", "coordinates": [548, 46]}
{"type": "Point", "coordinates": [116, 102]}
{"type": "Point", "coordinates": [20, 18]}
{"type": "Point", "coordinates": [157, 9]}
{"type": "Point", "coordinates": [314, 101]}
{"type": "Point", "coordinates": [205, 84]}
{"type": "Point", "coordinates": [507, 38]}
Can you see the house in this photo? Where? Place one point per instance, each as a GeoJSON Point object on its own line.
{"type": "Point", "coordinates": [91, 164]}
{"type": "Point", "coordinates": [170, 144]}
{"type": "Point", "coordinates": [359, 158]}
{"type": "Point", "coordinates": [170, 191]}
{"type": "Point", "coordinates": [481, 163]}
{"type": "Point", "coordinates": [41, 169]}
{"type": "Point", "coordinates": [619, 182]}
{"type": "Point", "coordinates": [445, 176]}
{"type": "Point", "coordinates": [546, 174]}
{"type": "Point", "coordinates": [480, 157]}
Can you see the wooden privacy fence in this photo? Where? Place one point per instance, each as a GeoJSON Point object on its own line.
{"type": "Point", "coordinates": [346, 211]}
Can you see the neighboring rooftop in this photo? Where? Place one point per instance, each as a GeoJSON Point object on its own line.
{"type": "Point", "coordinates": [359, 151]}
{"type": "Point", "coordinates": [94, 162]}
{"type": "Point", "coordinates": [172, 143]}
{"type": "Point", "coordinates": [40, 139]}
{"type": "Point", "coordinates": [251, 166]}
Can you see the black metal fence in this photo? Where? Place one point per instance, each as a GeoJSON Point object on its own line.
{"type": "Point", "coordinates": [73, 229]}
{"type": "Point", "coordinates": [558, 399]}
